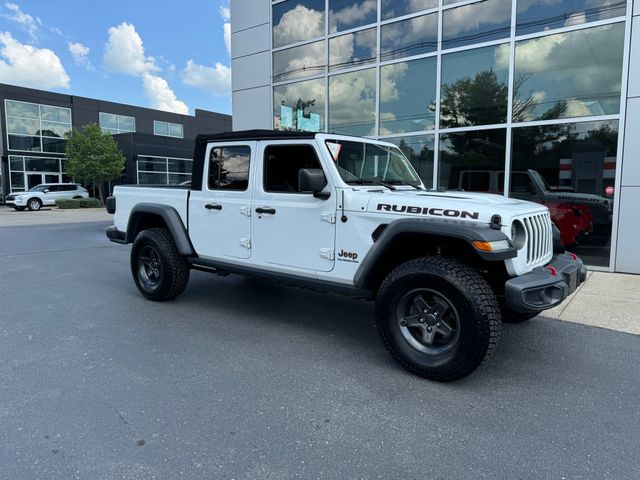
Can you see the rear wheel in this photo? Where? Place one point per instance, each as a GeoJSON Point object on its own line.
{"type": "Point", "coordinates": [438, 318]}
{"type": "Point", "coordinates": [34, 204]}
{"type": "Point", "coordinates": [158, 269]}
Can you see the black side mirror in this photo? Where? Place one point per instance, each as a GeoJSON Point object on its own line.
{"type": "Point", "coordinates": [313, 180]}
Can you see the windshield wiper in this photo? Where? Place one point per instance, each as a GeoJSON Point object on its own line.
{"type": "Point", "coordinates": [403, 182]}
{"type": "Point", "coordinates": [366, 181]}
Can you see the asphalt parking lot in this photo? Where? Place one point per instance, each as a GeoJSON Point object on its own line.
{"type": "Point", "coordinates": [245, 379]}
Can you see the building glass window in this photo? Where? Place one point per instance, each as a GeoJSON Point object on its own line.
{"type": "Point", "coordinates": [538, 15]}
{"type": "Point", "coordinates": [587, 84]}
{"type": "Point", "coordinates": [26, 172]}
{"type": "Point", "coordinates": [405, 38]}
{"type": "Point", "coordinates": [398, 8]}
{"type": "Point", "coordinates": [357, 48]}
{"type": "Point", "coordinates": [297, 20]}
{"type": "Point", "coordinates": [297, 62]}
{"type": "Point", "coordinates": [167, 129]}
{"type": "Point", "coordinates": [299, 106]}
{"type": "Point", "coordinates": [163, 170]}
{"type": "Point", "coordinates": [474, 87]}
{"type": "Point", "coordinates": [352, 103]}
{"type": "Point", "coordinates": [407, 96]}
{"type": "Point", "coordinates": [347, 14]}
{"type": "Point", "coordinates": [36, 128]}
{"type": "Point", "coordinates": [229, 168]}
{"type": "Point", "coordinates": [115, 124]}
{"type": "Point", "coordinates": [476, 23]}
{"type": "Point", "coordinates": [419, 149]}
{"type": "Point", "coordinates": [464, 154]}
{"type": "Point", "coordinates": [570, 168]}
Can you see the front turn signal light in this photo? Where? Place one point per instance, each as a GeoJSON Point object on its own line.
{"type": "Point", "coordinates": [496, 246]}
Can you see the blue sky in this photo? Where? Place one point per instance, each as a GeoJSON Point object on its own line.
{"type": "Point", "coordinates": [159, 54]}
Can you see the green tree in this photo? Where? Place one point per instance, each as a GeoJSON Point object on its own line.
{"type": "Point", "coordinates": [93, 156]}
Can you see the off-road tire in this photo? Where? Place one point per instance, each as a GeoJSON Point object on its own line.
{"type": "Point", "coordinates": [509, 316]}
{"type": "Point", "coordinates": [470, 298]}
{"type": "Point", "coordinates": [34, 204]}
{"type": "Point", "coordinates": [173, 269]}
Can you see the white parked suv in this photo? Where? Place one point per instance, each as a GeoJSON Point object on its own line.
{"type": "Point", "coordinates": [45, 194]}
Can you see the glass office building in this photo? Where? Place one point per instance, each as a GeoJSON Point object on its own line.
{"type": "Point", "coordinates": [519, 97]}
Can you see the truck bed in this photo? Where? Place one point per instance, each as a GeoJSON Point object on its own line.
{"type": "Point", "coordinates": [128, 196]}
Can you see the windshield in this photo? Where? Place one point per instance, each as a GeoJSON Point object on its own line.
{"type": "Point", "coordinates": [361, 163]}
{"type": "Point", "coordinates": [38, 188]}
{"type": "Point", "coordinates": [540, 179]}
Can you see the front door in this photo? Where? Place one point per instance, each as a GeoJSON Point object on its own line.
{"type": "Point", "coordinates": [291, 228]}
{"type": "Point", "coordinates": [219, 214]}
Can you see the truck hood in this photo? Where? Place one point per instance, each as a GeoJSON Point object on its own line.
{"type": "Point", "coordinates": [454, 205]}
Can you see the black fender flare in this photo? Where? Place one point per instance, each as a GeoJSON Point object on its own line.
{"type": "Point", "coordinates": [172, 220]}
{"type": "Point", "coordinates": [465, 231]}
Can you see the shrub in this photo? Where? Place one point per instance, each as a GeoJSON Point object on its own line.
{"type": "Point", "coordinates": [79, 203]}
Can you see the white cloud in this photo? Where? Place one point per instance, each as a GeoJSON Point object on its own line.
{"type": "Point", "coordinates": [124, 52]}
{"type": "Point", "coordinates": [162, 97]}
{"type": "Point", "coordinates": [227, 37]}
{"type": "Point", "coordinates": [29, 66]}
{"type": "Point", "coordinates": [460, 20]}
{"type": "Point", "coordinates": [298, 24]}
{"type": "Point", "coordinates": [225, 13]}
{"type": "Point", "coordinates": [80, 54]}
{"type": "Point", "coordinates": [353, 15]}
{"type": "Point", "coordinates": [216, 80]}
{"type": "Point", "coordinates": [576, 19]}
{"type": "Point", "coordinates": [30, 24]}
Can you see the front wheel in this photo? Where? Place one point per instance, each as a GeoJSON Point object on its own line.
{"type": "Point", "coordinates": [438, 318]}
{"type": "Point", "coordinates": [158, 269]}
{"type": "Point", "coordinates": [34, 204]}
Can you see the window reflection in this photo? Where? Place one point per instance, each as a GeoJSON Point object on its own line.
{"type": "Point", "coordinates": [357, 48]}
{"type": "Point", "coordinates": [397, 8]}
{"type": "Point", "coordinates": [475, 23]}
{"type": "Point", "coordinates": [409, 37]}
{"type": "Point", "coordinates": [539, 15]}
{"type": "Point", "coordinates": [346, 14]}
{"type": "Point", "coordinates": [570, 168]}
{"type": "Point", "coordinates": [407, 96]}
{"type": "Point", "coordinates": [299, 106]}
{"type": "Point", "coordinates": [419, 150]}
{"type": "Point", "coordinates": [303, 61]}
{"type": "Point", "coordinates": [472, 161]}
{"type": "Point", "coordinates": [352, 103]}
{"type": "Point", "coordinates": [571, 74]}
{"type": "Point", "coordinates": [474, 87]}
{"type": "Point", "coordinates": [297, 20]}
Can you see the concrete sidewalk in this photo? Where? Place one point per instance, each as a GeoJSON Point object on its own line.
{"type": "Point", "coordinates": [606, 300]}
{"type": "Point", "coordinates": [51, 215]}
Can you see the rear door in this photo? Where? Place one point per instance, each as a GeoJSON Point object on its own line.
{"type": "Point", "coordinates": [290, 227]}
{"type": "Point", "coordinates": [219, 214]}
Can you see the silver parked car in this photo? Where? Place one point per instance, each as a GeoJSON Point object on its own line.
{"type": "Point", "coordinates": [45, 194]}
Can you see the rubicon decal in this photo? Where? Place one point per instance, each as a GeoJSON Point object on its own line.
{"type": "Point", "coordinates": [348, 256]}
{"type": "Point", "coordinates": [434, 212]}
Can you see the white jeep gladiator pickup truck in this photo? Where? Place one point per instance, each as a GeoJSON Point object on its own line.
{"type": "Point", "coordinates": [351, 215]}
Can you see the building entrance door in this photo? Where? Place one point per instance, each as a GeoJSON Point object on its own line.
{"type": "Point", "coordinates": [34, 179]}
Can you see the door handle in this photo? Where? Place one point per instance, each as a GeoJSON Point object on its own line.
{"type": "Point", "coordinates": [269, 210]}
{"type": "Point", "coordinates": [213, 206]}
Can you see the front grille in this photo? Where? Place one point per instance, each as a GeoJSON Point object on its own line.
{"type": "Point", "coordinates": [11, 197]}
{"type": "Point", "coordinates": [539, 237]}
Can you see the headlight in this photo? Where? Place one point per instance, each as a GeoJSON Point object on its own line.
{"type": "Point", "coordinates": [19, 198]}
{"type": "Point", "coordinates": [518, 234]}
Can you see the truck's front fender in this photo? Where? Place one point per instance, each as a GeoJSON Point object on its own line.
{"type": "Point", "coordinates": [462, 231]}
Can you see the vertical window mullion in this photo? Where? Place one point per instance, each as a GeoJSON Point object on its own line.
{"type": "Point", "coordinates": [512, 66]}
{"type": "Point", "coordinates": [436, 140]}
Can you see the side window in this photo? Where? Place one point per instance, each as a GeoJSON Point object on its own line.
{"type": "Point", "coordinates": [52, 188]}
{"type": "Point", "coordinates": [282, 164]}
{"type": "Point", "coordinates": [229, 168]}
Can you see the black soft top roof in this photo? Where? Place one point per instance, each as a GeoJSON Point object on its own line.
{"type": "Point", "coordinates": [253, 135]}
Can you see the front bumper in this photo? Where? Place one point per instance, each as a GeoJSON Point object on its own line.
{"type": "Point", "coordinates": [15, 202]}
{"type": "Point", "coordinates": [545, 287]}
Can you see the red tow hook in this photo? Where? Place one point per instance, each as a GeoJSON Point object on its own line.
{"type": "Point", "coordinates": [552, 269]}
{"type": "Point", "coordinates": [572, 255]}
